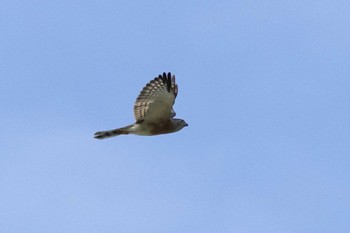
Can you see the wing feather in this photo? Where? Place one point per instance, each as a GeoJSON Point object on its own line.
{"type": "Point", "coordinates": [155, 101]}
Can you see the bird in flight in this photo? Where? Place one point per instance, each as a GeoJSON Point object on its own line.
{"type": "Point", "coordinates": [153, 110]}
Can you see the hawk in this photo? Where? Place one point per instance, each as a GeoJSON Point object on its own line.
{"type": "Point", "coordinates": [153, 110]}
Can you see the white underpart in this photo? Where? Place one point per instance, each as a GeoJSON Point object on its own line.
{"type": "Point", "coordinates": [140, 129]}
{"type": "Point", "coordinates": [160, 108]}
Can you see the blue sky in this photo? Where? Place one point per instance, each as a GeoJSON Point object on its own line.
{"type": "Point", "coordinates": [264, 86]}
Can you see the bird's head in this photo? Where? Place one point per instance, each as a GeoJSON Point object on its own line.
{"type": "Point", "coordinates": [179, 124]}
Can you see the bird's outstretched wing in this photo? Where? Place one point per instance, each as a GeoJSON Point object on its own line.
{"type": "Point", "coordinates": [155, 102]}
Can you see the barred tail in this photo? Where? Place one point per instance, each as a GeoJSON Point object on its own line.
{"type": "Point", "coordinates": [111, 133]}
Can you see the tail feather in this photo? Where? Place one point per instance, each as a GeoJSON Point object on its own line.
{"type": "Point", "coordinates": [111, 133]}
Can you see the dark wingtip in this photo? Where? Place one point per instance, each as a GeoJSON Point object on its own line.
{"type": "Point", "coordinates": [166, 79]}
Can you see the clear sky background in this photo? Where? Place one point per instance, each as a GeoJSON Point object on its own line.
{"type": "Point", "coordinates": [263, 85]}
